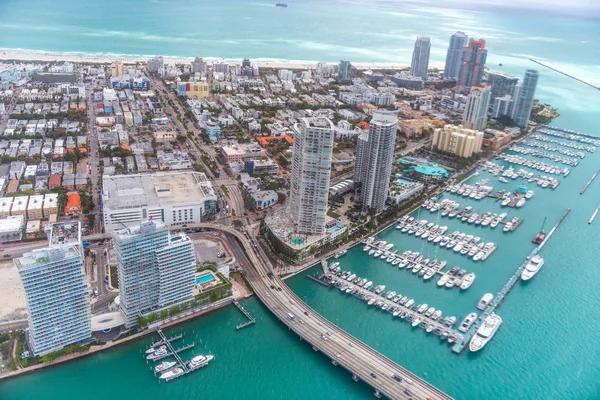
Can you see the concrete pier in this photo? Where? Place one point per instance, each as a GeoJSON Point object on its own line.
{"type": "Point", "coordinates": [251, 319]}
{"type": "Point", "coordinates": [590, 181]}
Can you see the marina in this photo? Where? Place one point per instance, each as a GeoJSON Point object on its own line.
{"type": "Point", "coordinates": [169, 370]}
{"type": "Point", "coordinates": [419, 315]}
{"type": "Point", "coordinates": [462, 243]}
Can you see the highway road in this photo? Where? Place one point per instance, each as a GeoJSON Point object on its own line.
{"type": "Point", "coordinates": [362, 361]}
{"type": "Point", "coordinates": [93, 160]}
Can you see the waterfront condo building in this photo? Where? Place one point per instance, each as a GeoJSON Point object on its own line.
{"type": "Point", "coordinates": [454, 57]}
{"type": "Point", "coordinates": [473, 64]}
{"type": "Point", "coordinates": [56, 291]}
{"type": "Point", "coordinates": [176, 198]}
{"type": "Point", "coordinates": [420, 57]}
{"type": "Point", "coordinates": [311, 168]}
{"type": "Point", "coordinates": [502, 84]}
{"type": "Point", "coordinates": [117, 68]}
{"type": "Point", "coordinates": [374, 159]}
{"type": "Point", "coordinates": [478, 102]}
{"type": "Point", "coordinates": [523, 99]}
{"type": "Point", "coordinates": [155, 64]}
{"type": "Point", "coordinates": [457, 140]}
{"type": "Point", "coordinates": [156, 269]}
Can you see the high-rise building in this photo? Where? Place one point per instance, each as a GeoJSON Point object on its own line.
{"type": "Point", "coordinates": [117, 68]}
{"type": "Point", "coordinates": [155, 64]}
{"type": "Point", "coordinates": [502, 84]}
{"type": "Point", "coordinates": [502, 107]}
{"type": "Point", "coordinates": [311, 168]}
{"type": "Point", "coordinates": [478, 102]}
{"type": "Point", "coordinates": [457, 140]}
{"type": "Point", "coordinates": [523, 100]}
{"type": "Point", "coordinates": [420, 58]}
{"type": "Point", "coordinates": [56, 291]}
{"type": "Point", "coordinates": [374, 159]}
{"type": "Point", "coordinates": [199, 66]}
{"type": "Point", "coordinates": [473, 64]}
{"type": "Point", "coordinates": [344, 71]}
{"type": "Point", "coordinates": [454, 57]}
{"type": "Point", "coordinates": [156, 269]}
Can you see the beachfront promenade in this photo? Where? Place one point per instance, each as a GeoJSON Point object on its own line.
{"type": "Point", "coordinates": [362, 361]}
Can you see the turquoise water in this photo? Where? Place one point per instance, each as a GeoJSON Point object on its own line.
{"type": "Point", "coordinates": [333, 229]}
{"type": "Point", "coordinates": [297, 241]}
{"type": "Point", "coordinates": [547, 346]}
{"type": "Point", "coordinates": [205, 278]}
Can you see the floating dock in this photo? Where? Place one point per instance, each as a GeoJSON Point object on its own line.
{"type": "Point", "coordinates": [318, 280]}
{"type": "Point", "coordinates": [251, 319]}
{"type": "Point", "coordinates": [495, 303]}
{"type": "Point", "coordinates": [590, 181]}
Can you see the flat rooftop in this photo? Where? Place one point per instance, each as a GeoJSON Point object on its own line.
{"type": "Point", "coordinates": [65, 233]}
{"type": "Point", "coordinates": [154, 190]}
{"type": "Point", "coordinates": [44, 256]}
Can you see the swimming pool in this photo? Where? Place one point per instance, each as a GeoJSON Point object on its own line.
{"type": "Point", "coordinates": [334, 229]}
{"type": "Point", "coordinates": [297, 241]}
{"type": "Point", "coordinates": [204, 279]}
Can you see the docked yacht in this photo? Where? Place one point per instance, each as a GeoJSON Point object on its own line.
{"type": "Point", "coordinates": [161, 352]}
{"type": "Point", "coordinates": [200, 361]}
{"type": "Point", "coordinates": [367, 248]}
{"type": "Point", "coordinates": [521, 202]}
{"type": "Point", "coordinates": [485, 301]}
{"type": "Point", "coordinates": [341, 253]}
{"type": "Point", "coordinates": [429, 312]}
{"type": "Point", "coordinates": [467, 281]}
{"type": "Point", "coordinates": [368, 285]}
{"type": "Point", "coordinates": [371, 301]}
{"type": "Point", "coordinates": [410, 303]}
{"type": "Point", "coordinates": [532, 267]}
{"type": "Point", "coordinates": [442, 281]}
{"type": "Point", "coordinates": [163, 366]}
{"type": "Point", "coordinates": [485, 332]}
{"type": "Point", "coordinates": [467, 322]}
{"type": "Point", "coordinates": [422, 308]}
{"type": "Point", "coordinates": [390, 295]}
{"type": "Point", "coordinates": [175, 372]}
{"type": "Point", "coordinates": [503, 180]}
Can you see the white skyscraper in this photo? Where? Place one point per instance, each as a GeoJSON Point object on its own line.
{"type": "Point", "coordinates": [56, 291]}
{"type": "Point", "coordinates": [524, 98]}
{"type": "Point", "coordinates": [156, 269]}
{"type": "Point", "coordinates": [478, 102]}
{"type": "Point", "coordinates": [420, 58]}
{"type": "Point", "coordinates": [374, 159]}
{"type": "Point", "coordinates": [311, 168]}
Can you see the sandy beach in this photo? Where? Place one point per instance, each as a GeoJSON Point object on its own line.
{"type": "Point", "coordinates": [264, 63]}
{"type": "Point", "coordinates": [12, 296]}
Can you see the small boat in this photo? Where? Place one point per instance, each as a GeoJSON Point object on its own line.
{"type": "Point", "coordinates": [442, 281]}
{"type": "Point", "coordinates": [403, 300]}
{"type": "Point", "coordinates": [503, 180]}
{"type": "Point", "coordinates": [429, 328]}
{"type": "Point", "coordinates": [521, 202]}
{"type": "Point", "coordinates": [366, 248]}
{"type": "Point", "coordinates": [154, 349]}
{"type": "Point", "coordinates": [436, 315]}
{"type": "Point", "coordinates": [467, 322]}
{"type": "Point", "coordinates": [467, 281]}
{"type": "Point", "coordinates": [429, 312]}
{"type": "Point", "coordinates": [410, 303]}
{"type": "Point", "coordinates": [485, 301]}
{"type": "Point", "coordinates": [341, 253]}
{"type": "Point", "coordinates": [478, 256]}
{"type": "Point", "coordinates": [422, 308]}
{"type": "Point", "coordinates": [451, 282]}
{"type": "Point", "coordinates": [449, 321]}
{"type": "Point", "coordinates": [416, 321]}
{"type": "Point", "coordinates": [371, 301]}
{"type": "Point", "coordinates": [162, 351]}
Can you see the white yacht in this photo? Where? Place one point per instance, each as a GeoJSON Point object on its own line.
{"type": "Point", "coordinates": [163, 366]}
{"type": "Point", "coordinates": [485, 332]}
{"type": "Point", "coordinates": [162, 351]}
{"type": "Point", "coordinates": [175, 372]}
{"type": "Point", "coordinates": [199, 361]}
{"type": "Point", "coordinates": [422, 308]}
{"type": "Point", "coordinates": [467, 322]}
{"type": "Point", "coordinates": [467, 281]}
{"type": "Point", "coordinates": [485, 301]}
{"type": "Point", "coordinates": [410, 303]}
{"type": "Point", "coordinates": [532, 267]}
{"type": "Point", "coordinates": [442, 281]}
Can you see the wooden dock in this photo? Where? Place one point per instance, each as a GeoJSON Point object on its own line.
{"type": "Point", "coordinates": [495, 303]}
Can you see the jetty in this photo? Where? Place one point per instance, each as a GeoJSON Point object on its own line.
{"type": "Point", "coordinates": [501, 295]}
{"type": "Point", "coordinates": [251, 319]}
{"type": "Point", "coordinates": [564, 73]}
{"type": "Point", "coordinates": [172, 351]}
{"type": "Point", "coordinates": [590, 181]}
{"type": "Point", "coordinates": [594, 214]}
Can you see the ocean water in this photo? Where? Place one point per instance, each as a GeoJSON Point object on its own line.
{"type": "Point", "coordinates": [547, 346]}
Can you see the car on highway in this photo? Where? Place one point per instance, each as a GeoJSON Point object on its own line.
{"type": "Point", "coordinates": [396, 378]}
{"type": "Point", "coordinates": [373, 375]}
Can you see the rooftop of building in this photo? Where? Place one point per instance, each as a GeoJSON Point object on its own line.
{"type": "Point", "coordinates": [145, 227]}
{"type": "Point", "coordinates": [44, 256]}
{"type": "Point", "coordinates": [11, 223]}
{"type": "Point", "coordinates": [64, 233]}
{"type": "Point", "coordinates": [154, 190]}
